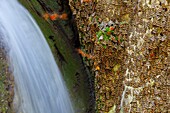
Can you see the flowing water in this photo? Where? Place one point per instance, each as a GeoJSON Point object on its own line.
{"type": "Point", "coordinates": [38, 80]}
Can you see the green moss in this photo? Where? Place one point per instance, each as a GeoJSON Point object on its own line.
{"type": "Point", "coordinates": [68, 68]}
{"type": "Point", "coordinates": [3, 92]}
{"type": "Point", "coordinates": [47, 31]}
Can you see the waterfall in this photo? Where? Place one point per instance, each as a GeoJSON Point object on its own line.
{"type": "Point", "coordinates": [38, 80]}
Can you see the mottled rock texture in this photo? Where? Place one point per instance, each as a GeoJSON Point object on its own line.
{"type": "Point", "coordinates": [131, 76]}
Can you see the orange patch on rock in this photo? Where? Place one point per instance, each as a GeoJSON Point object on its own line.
{"type": "Point", "coordinates": [97, 68]}
{"type": "Point", "coordinates": [152, 55]}
{"type": "Point", "coordinates": [46, 16]}
{"type": "Point", "coordinates": [54, 16]}
{"type": "Point", "coordinates": [64, 16]}
{"type": "Point", "coordinates": [83, 54]}
{"type": "Point", "coordinates": [85, 1]}
{"type": "Point", "coordinates": [112, 28]}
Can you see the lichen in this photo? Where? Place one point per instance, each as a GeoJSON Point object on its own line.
{"type": "Point", "coordinates": [144, 26]}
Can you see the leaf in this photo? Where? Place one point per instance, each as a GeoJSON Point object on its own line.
{"type": "Point", "coordinates": [107, 29]}
{"type": "Point", "coordinates": [116, 67]}
{"type": "Point", "coordinates": [99, 33]}
{"type": "Point", "coordinates": [104, 46]}
{"type": "Point", "coordinates": [116, 38]}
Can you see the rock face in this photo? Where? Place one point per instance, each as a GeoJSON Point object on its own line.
{"type": "Point", "coordinates": [6, 83]}
{"type": "Point", "coordinates": [55, 19]}
{"type": "Point", "coordinates": [131, 75]}
{"type": "Point", "coordinates": [62, 36]}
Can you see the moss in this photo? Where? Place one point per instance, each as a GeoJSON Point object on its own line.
{"type": "Point", "coordinates": [45, 28]}
{"type": "Point", "coordinates": [3, 92]}
{"type": "Point", "coordinates": [70, 66]}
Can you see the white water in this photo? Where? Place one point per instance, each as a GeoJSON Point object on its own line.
{"type": "Point", "coordinates": [38, 80]}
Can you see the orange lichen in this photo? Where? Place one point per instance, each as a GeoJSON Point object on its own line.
{"type": "Point", "coordinates": [86, 1]}
{"type": "Point", "coordinates": [46, 16]}
{"type": "Point", "coordinates": [109, 33]}
{"type": "Point", "coordinates": [152, 55]}
{"type": "Point", "coordinates": [54, 16]}
{"type": "Point", "coordinates": [63, 16]}
{"type": "Point", "coordinates": [97, 68]}
{"type": "Point", "coordinates": [84, 54]}
{"type": "Point", "coordinates": [112, 28]}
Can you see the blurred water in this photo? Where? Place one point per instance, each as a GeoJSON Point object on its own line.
{"type": "Point", "coordinates": [37, 78]}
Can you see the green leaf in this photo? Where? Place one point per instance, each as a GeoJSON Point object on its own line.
{"type": "Point", "coordinates": [104, 46]}
{"type": "Point", "coordinates": [112, 31]}
{"type": "Point", "coordinates": [116, 38]}
{"type": "Point", "coordinates": [107, 29]}
{"type": "Point", "coordinates": [106, 37]}
{"type": "Point", "coordinates": [99, 33]}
